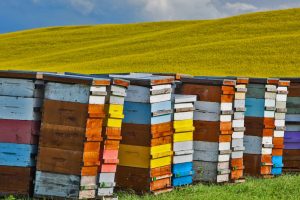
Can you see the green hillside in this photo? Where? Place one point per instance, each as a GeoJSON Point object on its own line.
{"type": "Point", "coordinates": [258, 44]}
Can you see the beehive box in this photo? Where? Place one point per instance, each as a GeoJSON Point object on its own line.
{"type": "Point", "coordinates": [146, 146]}
{"type": "Point", "coordinates": [112, 137]}
{"type": "Point", "coordinates": [21, 97]}
{"type": "Point", "coordinates": [238, 127]}
{"type": "Point", "coordinates": [70, 142]}
{"type": "Point", "coordinates": [182, 168]}
{"type": "Point", "coordinates": [291, 153]}
{"type": "Point", "coordinates": [265, 119]}
{"type": "Point", "coordinates": [213, 122]}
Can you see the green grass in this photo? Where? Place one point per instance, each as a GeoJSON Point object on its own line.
{"type": "Point", "coordinates": [257, 44]}
{"type": "Point", "coordinates": [284, 187]}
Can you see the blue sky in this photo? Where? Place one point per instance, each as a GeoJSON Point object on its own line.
{"type": "Point", "coordinates": [26, 14]}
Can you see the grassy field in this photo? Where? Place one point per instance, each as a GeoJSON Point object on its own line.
{"type": "Point", "coordinates": [284, 187]}
{"type": "Point", "coordinates": [258, 44]}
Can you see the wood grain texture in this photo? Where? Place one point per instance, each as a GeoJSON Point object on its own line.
{"type": "Point", "coordinates": [203, 92]}
{"type": "Point", "coordinates": [65, 113]}
{"type": "Point", "coordinates": [16, 180]}
{"type": "Point", "coordinates": [56, 185]}
{"type": "Point", "coordinates": [59, 161]}
{"type": "Point", "coordinates": [62, 137]}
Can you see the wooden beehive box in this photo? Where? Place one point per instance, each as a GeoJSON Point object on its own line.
{"type": "Point", "coordinates": [213, 122]}
{"type": "Point", "coordinates": [146, 146]}
{"type": "Point", "coordinates": [21, 97]}
{"type": "Point", "coordinates": [291, 152]}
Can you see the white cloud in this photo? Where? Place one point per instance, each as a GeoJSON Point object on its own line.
{"type": "Point", "coordinates": [240, 7]}
{"type": "Point", "coordinates": [176, 9]}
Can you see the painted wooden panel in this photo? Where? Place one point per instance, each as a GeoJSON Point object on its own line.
{"type": "Point", "coordinates": [116, 100]}
{"type": "Point", "coordinates": [140, 113]}
{"type": "Point", "coordinates": [255, 91]}
{"type": "Point", "coordinates": [205, 116]}
{"type": "Point", "coordinates": [182, 146]}
{"type": "Point", "coordinates": [183, 158]}
{"type": "Point", "coordinates": [203, 92]}
{"type": "Point", "coordinates": [67, 92]}
{"type": "Point", "coordinates": [56, 185]}
{"type": "Point", "coordinates": [19, 131]}
{"type": "Point", "coordinates": [206, 146]}
{"type": "Point", "coordinates": [181, 137]}
{"type": "Point", "coordinates": [239, 115]}
{"type": "Point", "coordinates": [63, 137]}
{"type": "Point", "coordinates": [19, 155]}
{"type": "Point", "coordinates": [255, 107]}
{"type": "Point", "coordinates": [208, 172]}
{"type": "Point", "coordinates": [278, 133]}
{"type": "Point", "coordinates": [276, 171]}
{"type": "Point", "coordinates": [105, 191]}
{"type": "Point", "coordinates": [17, 87]}
{"type": "Point", "coordinates": [237, 154]}
{"type": "Point", "coordinates": [65, 113]}
{"type": "Point", "coordinates": [237, 142]}
{"type": "Point", "coordinates": [108, 168]}
{"type": "Point", "coordinates": [293, 118]}
{"type": "Point", "coordinates": [16, 180]}
{"type": "Point", "coordinates": [182, 169]}
{"type": "Point", "coordinates": [210, 107]}
{"type": "Point", "coordinates": [19, 108]}
{"type": "Point", "coordinates": [88, 182]}
{"type": "Point", "coordinates": [96, 100]}
{"type": "Point", "coordinates": [210, 156]}
{"type": "Point", "coordinates": [184, 106]}
{"type": "Point", "coordinates": [87, 194]}
{"type": "Point", "coordinates": [277, 161]}
{"type": "Point", "coordinates": [183, 115]}
{"type": "Point", "coordinates": [115, 111]}
{"type": "Point", "coordinates": [134, 156]}
{"type": "Point", "coordinates": [293, 105]}
{"type": "Point", "coordinates": [160, 184]}
{"type": "Point", "coordinates": [253, 144]}
{"type": "Point", "coordinates": [178, 153]}
{"type": "Point", "coordinates": [292, 128]}
{"type": "Point", "coordinates": [157, 150]}
{"type": "Point", "coordinates": [182, 124]}
{"type": "Point", "coordinates": [143, 95]}
{"type": "Point", "coordinates": [159, 162]}
{"type": "Point", "coordinates": [178, 98]}
{"type": "Point", "coordinates": [113, 122]}
{"type": "Point", "coordinates": [180, 181]}
{"type": "Point", "coordinates": [105, 178]}
{"type": "Point", "coordinates": [59, 161]}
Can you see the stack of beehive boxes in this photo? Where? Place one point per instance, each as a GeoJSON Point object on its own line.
{"type": "Point", "coordinates": [278, 135]}
{"type": "Point", "coordinates": [146, 149]}
{"type": "Point", "coordinates": [213, 123]}
{"type": "Point", "coordinates": [291, 153]}
{"type": "Point", "coordinates": [182, 168]}
{"type": "Point", "coordinates": [260, 126]}
{"type": "Point", "coordinates": [112, 136]}
{"type": "Point", "coordinates": [20, 102]}
{"type": "Point", "coordinates": [69, 146]}
{"type": "Point", "coordinates": [238, 125]}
